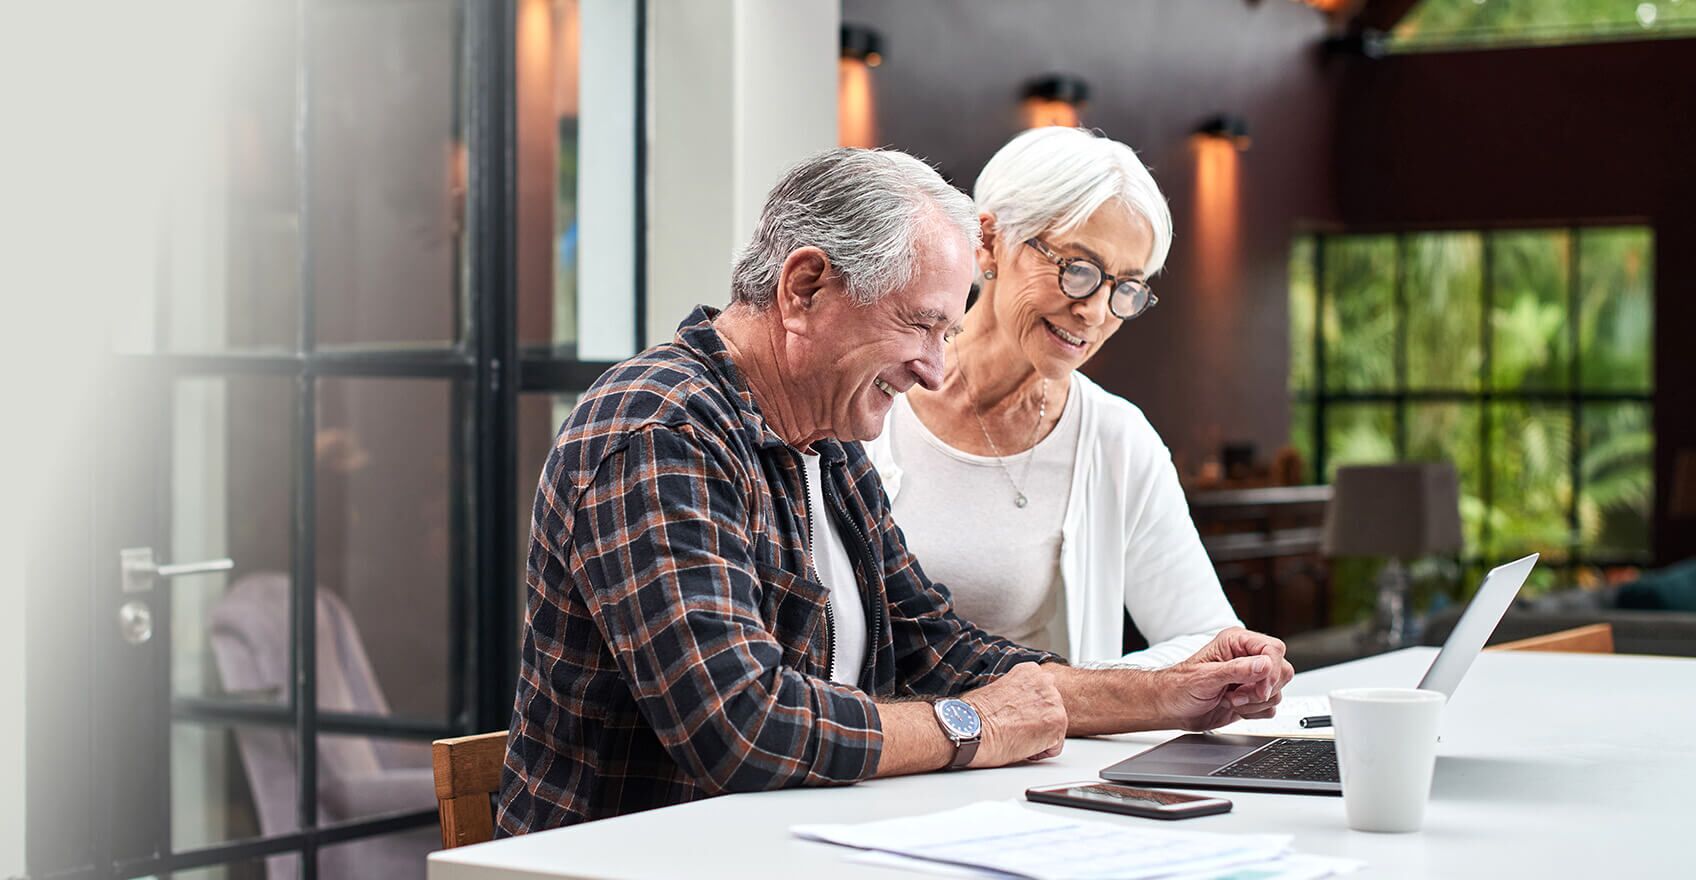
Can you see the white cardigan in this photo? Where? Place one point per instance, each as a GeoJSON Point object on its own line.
{"type": "Point", "coordinates": [1127, 542]}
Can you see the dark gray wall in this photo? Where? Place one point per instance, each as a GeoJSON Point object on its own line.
{"type": "Point", "coordinates": [1209, 364]}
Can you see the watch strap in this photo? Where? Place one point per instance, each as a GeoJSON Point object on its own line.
{"type": "Point", "coordinates": [964, 751]}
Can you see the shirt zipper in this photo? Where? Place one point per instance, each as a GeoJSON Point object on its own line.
{"type": "Point", "coordinates": [812, 569]}
{"type": "Point", "coordinates": [865, 559]}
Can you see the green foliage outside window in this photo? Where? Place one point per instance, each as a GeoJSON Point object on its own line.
{"type": "Point", "coordinates": [1522, 356]}
{"type": "Point", "coordinates": [1448, 24]}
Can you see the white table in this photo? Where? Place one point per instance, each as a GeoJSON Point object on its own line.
{"type": "Point", "coordinates": [1550, 765]}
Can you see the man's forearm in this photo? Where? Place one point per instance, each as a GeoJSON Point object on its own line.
{"type": "Point", "coordinates": [1102, 701]}
{"type": "Point", "coordinates": [913, 741]}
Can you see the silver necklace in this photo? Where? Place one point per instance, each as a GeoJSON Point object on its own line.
{"type": "Point", "coordinates": [1019, 499]}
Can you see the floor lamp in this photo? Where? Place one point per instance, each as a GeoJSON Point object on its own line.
{"type": "Point", "coordinates": [1399, 511]}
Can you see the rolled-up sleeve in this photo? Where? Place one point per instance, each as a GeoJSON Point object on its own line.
{"type": "Point", "coordinates": [666, 565]}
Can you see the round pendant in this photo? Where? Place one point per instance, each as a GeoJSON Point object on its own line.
{"type": "Point", "coordinates": [1019, 500]}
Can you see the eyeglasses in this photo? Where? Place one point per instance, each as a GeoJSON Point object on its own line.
{"type": "Point", "coordinates": [1081, 277]}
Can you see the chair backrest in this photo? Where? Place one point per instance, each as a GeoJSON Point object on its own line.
{"type": "Point", "coordinates": [250, 642]}
{"type": "Point", "coordinates": [468, 773]}
{"type": "Point", "coordinates": [1597, 638]}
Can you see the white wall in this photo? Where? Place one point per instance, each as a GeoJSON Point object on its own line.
{"type": "Point", "coordinates": [737, 91]}
{"type": "Point", "coordinates": [606, 181]}
{"type": "Point", "coordinates": [11, 696]}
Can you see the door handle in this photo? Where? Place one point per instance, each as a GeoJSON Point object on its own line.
{"type": "Point", "coordinates": [207, 567]}
{"type": "Point", "coordinates": [139, 569]}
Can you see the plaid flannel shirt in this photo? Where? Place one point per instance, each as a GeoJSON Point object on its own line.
{"type": "Point", "coordinates": [674, 646]}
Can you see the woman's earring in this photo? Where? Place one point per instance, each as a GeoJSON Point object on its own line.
{"type": "Point", "coordinates": [989, 274]}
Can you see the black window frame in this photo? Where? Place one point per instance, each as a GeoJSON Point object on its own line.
{"type": "Point", "coordinates": [1574, 397]}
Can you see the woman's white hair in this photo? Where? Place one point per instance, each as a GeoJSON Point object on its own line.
{"type": "Point", "coordinates": [864, 208]}
{"type": "Point", "coordinates": [1053, 179]}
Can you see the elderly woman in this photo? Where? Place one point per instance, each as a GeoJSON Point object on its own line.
{"type": "Point", "coordinates": [1047, 504]}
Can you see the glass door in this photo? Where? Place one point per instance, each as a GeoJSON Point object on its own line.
{"type": "Point", "coordinates": [299, 566]}
{"type": "Point", "coordinates": [288, 562]}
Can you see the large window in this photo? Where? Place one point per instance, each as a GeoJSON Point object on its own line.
{"type": "Point", "coordinates": [1480, 24]}
{"type": "Point", "coordinates": [1523, 356]}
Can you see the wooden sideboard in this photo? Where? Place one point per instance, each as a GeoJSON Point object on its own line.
{"type": "Point", "coordinates": [1265, 545]}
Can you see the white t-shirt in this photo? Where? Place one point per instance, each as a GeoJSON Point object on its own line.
{"type": "Point", "coordinates": [1127, 543]}
{"type": "Point", "coordinates": [836, 571]}
{"type": "Point", "coordinates": [965, 505]}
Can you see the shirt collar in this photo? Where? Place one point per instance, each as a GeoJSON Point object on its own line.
{"type": "Point", "coordinates": [698, 335]}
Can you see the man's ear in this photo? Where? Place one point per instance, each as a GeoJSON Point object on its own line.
{"type": "Point", "coordinates": [806, 274]}
{"type": "Point", "coordinates": [991, 236]}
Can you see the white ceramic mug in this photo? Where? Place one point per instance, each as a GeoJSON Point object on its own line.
{"type": "Point", "coordinates": [1386, 749]}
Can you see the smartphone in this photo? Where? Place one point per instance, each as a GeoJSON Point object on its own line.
{"type": "Point", "coordinates": [1114, 798]}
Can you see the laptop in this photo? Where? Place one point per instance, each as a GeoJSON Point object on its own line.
{"type": "Point", "coordinates": [1309, 766]}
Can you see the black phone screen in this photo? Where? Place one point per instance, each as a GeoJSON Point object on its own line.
{"type": "Point", "coordinates": [1124, 799]}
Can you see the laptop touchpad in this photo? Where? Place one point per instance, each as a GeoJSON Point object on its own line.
{"type": "Point", "coordinates": [1192, 755]}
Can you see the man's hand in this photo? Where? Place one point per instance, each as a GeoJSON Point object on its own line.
{"type": "Point", "coordinates": [1023, 717]}
{"type": "Point", "coordinates": [1240, 674]}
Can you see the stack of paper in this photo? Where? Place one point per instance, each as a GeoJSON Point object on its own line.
{"type": "Point", "coordinates": [1008, 840]}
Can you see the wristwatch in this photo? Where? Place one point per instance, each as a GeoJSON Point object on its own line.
{"type": "Point", "coordinates": [963, 726]}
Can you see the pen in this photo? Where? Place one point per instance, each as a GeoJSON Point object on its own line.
{"type": "Point", "coordinates": [1313, 721]}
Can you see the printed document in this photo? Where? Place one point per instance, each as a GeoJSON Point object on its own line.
{"type": "Point", "coordinates": [1007, 838]}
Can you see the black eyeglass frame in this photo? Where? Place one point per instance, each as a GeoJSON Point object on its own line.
{"type": "Point", "coordinates": [1133, 282]}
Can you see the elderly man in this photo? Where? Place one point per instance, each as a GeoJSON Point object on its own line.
{"type": "Point", "coordinates": [719, 600]}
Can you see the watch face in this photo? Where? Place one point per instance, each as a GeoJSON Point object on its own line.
{"type": "Point", "coordinates": [962, 720]}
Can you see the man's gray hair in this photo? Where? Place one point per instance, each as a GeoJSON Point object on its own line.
{"type": "Point", "coordinates": [866, 209]}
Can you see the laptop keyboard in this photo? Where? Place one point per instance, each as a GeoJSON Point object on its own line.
{"type": "Point", "coordinates": [1307, 760]}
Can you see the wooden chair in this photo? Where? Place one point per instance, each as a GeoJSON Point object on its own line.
{"type": "Point", "coordinates": [468, 773]}
{"type": "Point", "coordinates": [1597, 638]}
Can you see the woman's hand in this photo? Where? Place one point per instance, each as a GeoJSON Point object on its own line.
{"type": "Point", "coordinates": [1240, 674]}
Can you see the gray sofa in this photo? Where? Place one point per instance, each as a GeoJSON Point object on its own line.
{"type": "Point", "coordinates": [1636, 631]}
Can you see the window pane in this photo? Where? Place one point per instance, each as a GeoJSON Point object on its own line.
{"type": "Point", "coordinates": [1531, 480]}
{"type": "Point", "coordinates": [549, 40]}
{"type": "Point", "coordinates": [1616, 498]}
{"type": "Point", "coordinates": [231, 496]}
{"type": "Point", "coordinates": [1616, 305]}
{"type": "Point", "coordinates": [1301, 438]}
{"type": "Point", "coordinates": [577, 193]}
{"type": "Point", "coordinates": [1450, 24]}
{"type": "Point", "coordinates": [1442, 288]}
{"type": "Point", "coordinates": [1450, 432]}
{"type": "Point", "coordinates": [1358, 433]}
{"type": "Point", "coordinates": [399, 856]}
{"type": "Point", "coordinates": [1528, 318]}
{"type": "Point", "coordinates": [227, 272]}
{"type": "Point", "coordinates": [1301, 314]}
{"type": "Point", "coordinates": [248, 870]}
{"type": "Point", "coordinates": [231, 783]}
{"type": "Point", "coordinates": [385, 545]}
{"type": "Point", "coordinates": [361, 776]}
{"type": "Point", "coordinates": [388, 172]}
{"type": "Point", "coordinates": [1360, 316]}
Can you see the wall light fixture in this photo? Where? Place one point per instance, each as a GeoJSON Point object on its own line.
{"type": "Point", "coordinates": [1055, 99]}
{"type": "Point", "coordinates": [856, 103]}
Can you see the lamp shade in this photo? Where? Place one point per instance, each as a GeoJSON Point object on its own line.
{"type": "Point", "coordinates": [1399, 510]}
